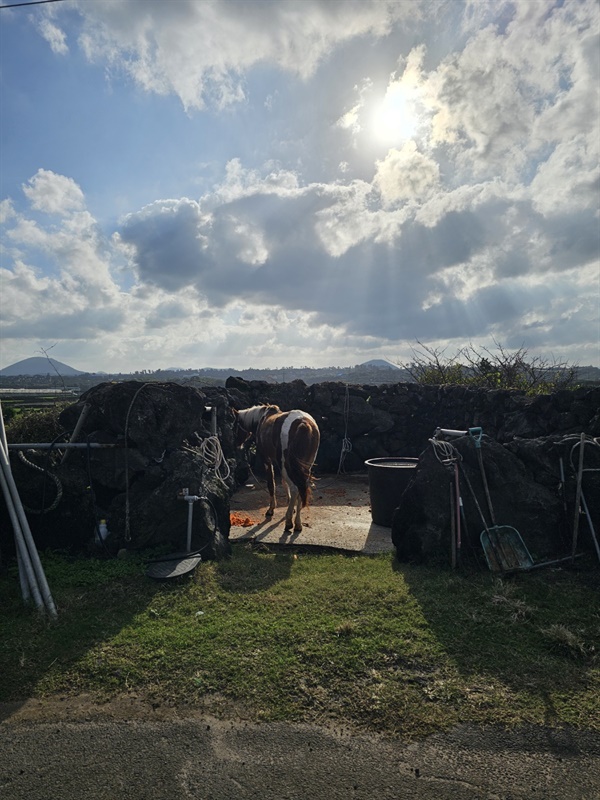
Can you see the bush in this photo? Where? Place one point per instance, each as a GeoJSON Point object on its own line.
{"type": "Point", "coordinates": [35, 426]}
{"type": "Point", "coordinates": [482, 368]}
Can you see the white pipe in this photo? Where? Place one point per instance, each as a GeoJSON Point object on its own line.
{"type": "Point", "coordinates": [61, 445]}
{"type": "Point", "coordinates": [191, 499]}
{"type": "Point", "coordinates": [23, 580]}
{"type": "Point", "coordinates": [23, 577]}
{"type": "Point", "coordinates": [26, 531]}
{"type": "Point", "coordinates": [77, 429]}
{"type": "Point", "coordinates": [27, 575]}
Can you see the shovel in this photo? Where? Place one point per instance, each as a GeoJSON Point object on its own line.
{"type": "Point", "coordinates": [503, 547]}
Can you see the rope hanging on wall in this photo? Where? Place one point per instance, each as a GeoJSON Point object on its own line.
{"type": "Point", "coordinates": [346, 443]}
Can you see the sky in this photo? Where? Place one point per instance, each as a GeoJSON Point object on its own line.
{"type": "Point", "coordinates": [270, 183]}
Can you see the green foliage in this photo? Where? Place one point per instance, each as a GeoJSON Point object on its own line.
{"type": "Point", "coordinates": [35, 426]}
{"type": "Point", "coordinates": [481, 368]}
{"type": "Point", "coordinates": [360, 640]}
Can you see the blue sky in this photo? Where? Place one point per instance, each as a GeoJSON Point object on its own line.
{"type": "Point", "coordinates": [221, 183]}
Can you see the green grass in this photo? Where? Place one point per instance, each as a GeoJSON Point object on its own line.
{"type": "Point", "coordinates": [292, 636]}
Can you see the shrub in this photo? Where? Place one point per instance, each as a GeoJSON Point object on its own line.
{"type": "Point", "coordinates": [482, 368]}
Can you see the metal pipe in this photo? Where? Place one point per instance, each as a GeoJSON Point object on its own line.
{"type": "Point", "coordinates": [589, 519]}
{"type": "Point", "coordinates": [77, 428]}
{"type": "Point", "coordinates": [61, 446]}
{"type": "Point", "coordinates": [191, 499]}
{"type": "Point", "coordinates": [23, 580]}
{"type": "Point", "coordinates": [578, 496]}
{"type": "Point", "coordinates": [27, 577]}
{"type": "Point", "coordinates": [27, 536]}
{"type": "Point", "coordinates": [23, 577]}
{"type": "Point", "coordinates": [448, 432]}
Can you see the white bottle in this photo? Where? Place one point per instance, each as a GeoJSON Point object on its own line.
{"type": "Point", "coordinates": [102, 531]}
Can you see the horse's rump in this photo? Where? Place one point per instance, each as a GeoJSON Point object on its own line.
{"type": "Point", "coordinates": [288, 439]}
{"type": "Point", "coordinates": [300, 454]}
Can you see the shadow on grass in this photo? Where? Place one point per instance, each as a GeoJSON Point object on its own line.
{"type": "Point", "coordinates": [249, 571]}
{"type": "Point", "coordinates": [95, 600]}
{"type": "Point", "coordinates": [534, 632]}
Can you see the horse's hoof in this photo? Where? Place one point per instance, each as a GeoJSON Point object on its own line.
{"type": "Point", "coordinates": [288, 527]}
{"type": "Point", "coordinates": [297, 528]}
{"type": "Point", "coordinates": [269, 513]}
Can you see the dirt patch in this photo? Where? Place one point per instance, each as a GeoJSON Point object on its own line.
{"type": "Point", "coordinates": [242, 520]}
{"type": "Point", "coordinates": [337, 518]}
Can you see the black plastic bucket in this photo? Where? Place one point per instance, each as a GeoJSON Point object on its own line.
{"type": "Point", "coordinates": [388, 478]}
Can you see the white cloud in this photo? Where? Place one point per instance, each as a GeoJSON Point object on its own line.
{"type": "Point", "coordinates": [320, 236]}
{"type": "Point", "coordinates": [7, 210]}
{"type": "Point", "coordinates": [569, 179]}
{"type": "Point", "coordinates": [52, 193]}
{"type": "Point", "coordinates": [507, 92]}
{"type": "Point", "coordinates": [54, 36]}
{"type": "Point", "coordinates": [406, 175]}
{"type": "Point", "coordinates": [200, 50]}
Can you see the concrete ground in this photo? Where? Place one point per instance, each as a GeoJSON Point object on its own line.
{"type": "Point", "coordinates": [136, 753]}
{"type": "Point", "coordinates": [338, 516]}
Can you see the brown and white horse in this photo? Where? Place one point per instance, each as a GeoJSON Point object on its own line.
{"type": "Point", "coordinates": [288, 440]}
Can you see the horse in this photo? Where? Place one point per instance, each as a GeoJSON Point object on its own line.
{"type": "Point", "coordinates": [288, 440]}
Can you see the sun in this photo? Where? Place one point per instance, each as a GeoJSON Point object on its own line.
{"type": "Point", "coordinates": [396, 119]}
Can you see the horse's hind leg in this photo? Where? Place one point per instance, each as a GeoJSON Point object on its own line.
{"type": "Point", "coordinates": [292, 515]}
{"type": "Point", "coordinates": [297, 520]}
{"type": "Point", "coordinates": [294, 503]}
{"type": "Point", "coordinates": [271, 486]}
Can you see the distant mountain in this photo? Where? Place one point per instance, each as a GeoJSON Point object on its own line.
{"type": "Point", "coordinates": [40, 366]}
{"type": "Point", "coordinates": [380, 363]}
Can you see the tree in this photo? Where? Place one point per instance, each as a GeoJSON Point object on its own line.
{"type": "Point", "coordinates": [483, 368]}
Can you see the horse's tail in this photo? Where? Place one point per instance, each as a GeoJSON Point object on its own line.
{"type": "Point", "coordinates": [300, 456]}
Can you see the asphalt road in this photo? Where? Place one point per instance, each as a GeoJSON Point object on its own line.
{"type": "Point", "coordinates": [207, 759]}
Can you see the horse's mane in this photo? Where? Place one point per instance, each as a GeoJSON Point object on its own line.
{"type": "Point", "coordinates": [251, 417]}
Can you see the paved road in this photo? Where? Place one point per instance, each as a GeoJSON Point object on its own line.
{"type": "Point", "coordinates": [206, 759]}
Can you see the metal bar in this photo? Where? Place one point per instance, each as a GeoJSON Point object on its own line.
{"type": "Point", "coordinates": [22, 563]}
{"type": "Point", "coordinates": [452, 528]}
{"type": "Point", "coordinates": [578, 497]}
{"type": "Point", "coordinates": [77, 428]}
{"type": "Point", "coordinates": [62, 445]}
{"type": "Point", "coordinates": [589, 519]}
{"type": "Point", "coordinates": [28, 538]}
{"type": "Point", "coordinates": [27, 577]}
{"type": "Point", "coordinates": [458, 529]}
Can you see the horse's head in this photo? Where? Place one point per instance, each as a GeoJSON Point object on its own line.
{"type": "Point", "coordinates": [240, 434]}
{"type": "Point", "coordinates": [248, 421]}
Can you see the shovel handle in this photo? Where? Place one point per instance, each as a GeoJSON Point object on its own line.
{"type": "Point", "coordinates": [476, 433]}
{"type": "Point", "coordinates": [486, 487]}
{"type": "Point", "coordinates": [474, 496]}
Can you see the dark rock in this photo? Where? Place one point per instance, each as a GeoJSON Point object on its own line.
{"type": "Point", "coordinates": [154, 423]}
{"type": "Point", "coordinates": [160, 429]}
{"type": "Point", "coordinates": [421, 528]}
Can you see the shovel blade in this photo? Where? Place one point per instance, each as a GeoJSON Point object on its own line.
{"type": "Point", "coordinates": [505, 550]}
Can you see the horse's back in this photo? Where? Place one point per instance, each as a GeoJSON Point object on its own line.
{"type": "Point", "coordinates": [300, 436]}
{"type": "Point", "coordinates": [294, 431]}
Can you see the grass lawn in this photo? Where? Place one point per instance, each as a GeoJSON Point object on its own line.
{"type": "Point", "coordinates": [293, 636]}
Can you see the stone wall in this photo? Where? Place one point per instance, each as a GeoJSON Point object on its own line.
{"type": "Point", "coordinates": [165, 424]}
{"type": "Point", "coordinates": [398, 419]}
{"type": "Point", "coordinates": [526, 437]}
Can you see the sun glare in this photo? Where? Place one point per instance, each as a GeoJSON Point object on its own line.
{"type": "Point", "coordinates": [395, 119]}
